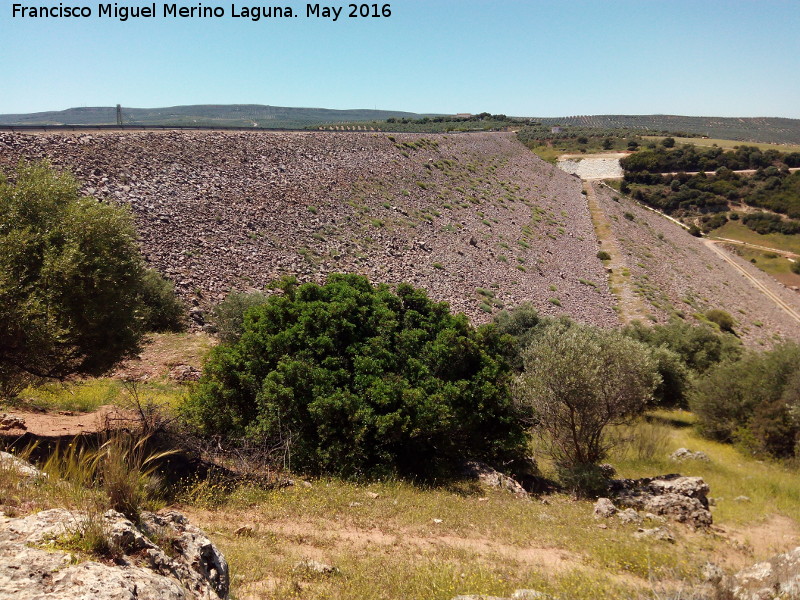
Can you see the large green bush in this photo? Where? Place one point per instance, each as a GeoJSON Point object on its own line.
{"type": "Point", "coordinates": [699, 346]}
{"type": "Point", "coordinates": [682, 351]}
{"type": "Point", "coordinates": [357, 380]}
{"type": "Point", "coordinates": [753, 401]}
{"type": "Point", "coordinates": [70, 272]}
{"type": "Point", "coordinates": [523, 323]}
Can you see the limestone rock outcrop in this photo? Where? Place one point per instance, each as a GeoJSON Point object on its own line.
{"type": "Point", "coordinates": [681, 499]}
{"type": "Point", "coordinates": [36, 561]}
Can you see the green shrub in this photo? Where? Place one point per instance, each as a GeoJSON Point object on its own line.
{"type": "Point", "coordinates": [721, 319]}
{"type": "Point", "coordinates": [796, 266]}
{"type": "Point", "coordinates": [356, 380]}
{"type": "Point", "coordinates": [700, 347]}
{"type": "Point", "coordinates": [753, 400]}
{"type": "Point", "coordinates": [523, 324]}
{"type": "Point", "coordinates": [603, 255]}
{"type": "Point", "coordinates": [227, 317]}
{"type": "Point", "coordinates": [161, 309]}
{"type": "Point", "coordinates": [70, 276]}
{"type": "Point", "coordinates": [675, 378]}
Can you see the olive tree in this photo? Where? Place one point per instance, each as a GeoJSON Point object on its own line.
{"type": "Point", "coordinates": [577, 382]}
{"type": "Point", "coordinates": [70, 280]}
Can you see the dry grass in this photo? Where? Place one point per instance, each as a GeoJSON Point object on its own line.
{"type": "Point", "coordinates": [394, 539]}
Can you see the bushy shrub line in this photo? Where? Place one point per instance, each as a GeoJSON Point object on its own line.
{"type": "Point", "coordinates": [753, 401]}
{"type": "Point", "coordinates": [75, 296]}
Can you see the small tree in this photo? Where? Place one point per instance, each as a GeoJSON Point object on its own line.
{"type": "Point", "coordinates": [228, 316]}
{"type": "Point", "coordinates": [161, 309]}
{"type": "Point", "coordinates": [70, 275]}
{"type": "Point", "coordinates": [579, 381]}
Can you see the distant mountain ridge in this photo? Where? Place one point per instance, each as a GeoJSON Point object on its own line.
{"type": "Point", "coordinates": [756, 129]}
{"type": "Point", "coordinates": [219, 115]}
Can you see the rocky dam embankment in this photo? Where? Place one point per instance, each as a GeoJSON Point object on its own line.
{"type": "Point", "coordinates": [475, 219]}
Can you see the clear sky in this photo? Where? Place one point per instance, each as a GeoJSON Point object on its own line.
{"type": "Point", "coordinates": [536, 58]}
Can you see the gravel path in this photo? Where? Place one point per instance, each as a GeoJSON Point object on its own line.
{"type": "Point", "coordinates": [629, 305]}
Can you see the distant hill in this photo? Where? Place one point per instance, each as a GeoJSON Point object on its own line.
{"type": "Point", "coordinates": [215, 115]}
{"type": "Point", "coordinates": [758, 129]}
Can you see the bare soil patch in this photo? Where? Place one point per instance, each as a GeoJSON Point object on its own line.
{"type": "Point", "coordinates": [65, 423]}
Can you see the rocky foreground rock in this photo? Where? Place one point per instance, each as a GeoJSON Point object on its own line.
{"type": "Point", "coordinates": [36, 562]}
{"type": "Point", "coordinates": [775, 579]}
{"type": "Point", "coordinates": [678, 498]}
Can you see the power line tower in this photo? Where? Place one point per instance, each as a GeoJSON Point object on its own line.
{"type": "Point", "coordinates": [119, 115]}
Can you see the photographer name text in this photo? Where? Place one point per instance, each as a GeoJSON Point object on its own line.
{"type": "Point", "coordinates": [200, 11]}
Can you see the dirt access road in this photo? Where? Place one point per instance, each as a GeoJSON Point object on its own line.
{"type": "Point", "coordinates": [785, 253]}
{"type": "Point", "coordinates": [776, 299]}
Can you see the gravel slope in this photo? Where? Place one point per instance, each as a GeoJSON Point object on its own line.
{"type": "Point", "coordinates": [451, 213]}
{"type": "Point", "coordinates": [675, 272]}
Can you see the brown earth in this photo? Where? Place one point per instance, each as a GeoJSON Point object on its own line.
{"type": "Point", "coordinates": [65, 423]}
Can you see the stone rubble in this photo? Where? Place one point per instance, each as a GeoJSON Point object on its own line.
{"type": "Point", "coordinates": [492, 478]}
{"type": "Point", "coordinates": [218, 211]}
{"type": "Point", "coordinates": [775, 579]}
{"type": "Point", "coordinates": [681, 499]}
{"type": "Point", "coordinates": [674, 271]}
{"type": "Point", "coordinates": [33, 566]}
{"type": "Point", "coordinates": [682, 454]}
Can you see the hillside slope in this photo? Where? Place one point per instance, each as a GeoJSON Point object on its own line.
{"type": "Point", "coordinates": [477, 220]}
{"type": "Point", "coordinates": [676, 273]}
{"type": "Point", "coordinates": [776, 130]}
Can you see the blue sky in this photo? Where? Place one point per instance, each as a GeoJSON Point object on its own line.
{"type": "Point", "coordinates": [556, 58]}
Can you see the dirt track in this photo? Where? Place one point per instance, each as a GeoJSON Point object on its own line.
{"type": "Point", "coordinates": [764, 289]}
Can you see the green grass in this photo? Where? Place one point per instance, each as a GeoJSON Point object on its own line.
{"type": "Point", "coordinates": [735, 230]}
{"type": "Point", "coordinates": [766, 261]}
{"type": "Point", "coordinates": [84, 396]}
{"type": "Point", "coordinates": [548, 153]}
{"type": "Point", "coordinates": [473, 541]}
{"type": "Point", "coordinates": [773, 488]}
{"type": "Point", "coordinates": [709, 142]}
{"type": "Point", "coordinates": [89, 395]}
{"type": "Point", "coordinates": [397, 539]}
